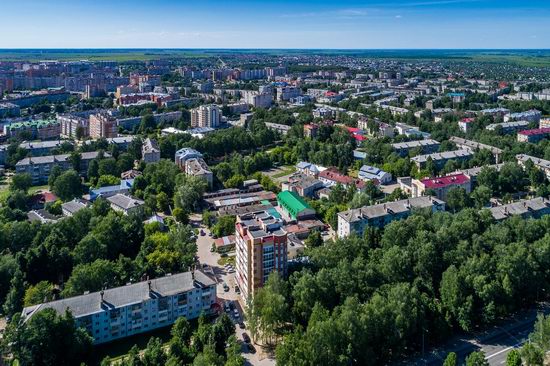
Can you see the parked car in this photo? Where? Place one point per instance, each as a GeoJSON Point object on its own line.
{"type": "Point", "coordinates": [236, 313]}
{"type": "Point", "coordinates": [246, 338]}
{"type": "Point", "coordinates": [225, 287]}
{"type": "Point", "coordinates": [237, 289]}
{"type": "Point", "coordinates": [251, 348]}
{"type": "Point", "coordinates": [202, 232]}
{"type": "Point", "coordinates": [241, 325]}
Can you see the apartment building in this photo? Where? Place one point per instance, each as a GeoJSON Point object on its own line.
{"type": "Point", "coordinates": [541, 164]}
{"type": "Point", "coordinates": [261, 247]}
{"type": "Point", "coordinates": [73, 125]}
{"type": "Point", "coordinates": [530, 116]}
{"type": "Point", "coordinates": [357, 220]}
{"type": "Point", "coordinates": [536, 207]}
{"type": "Point", "coordinates": [206, 116]}
{"type": "Point", "coordinates": [257, 99]}
{"type": "Point", "coordinates": [474, 145]}
{"type": "Point", "coordinates": [286, 93]}
{"type": "Point", "coordinates": [508, 127]}
{"type": "Point", "coordinates": [124, 311]}
{"type": "Point", "coordinates": [440, 185]}
{"type": "Point", "coordinates": [40, 167]}
{"type": "Point", "coordinates": [427, 146]}
{"type": "Point", "coordinates": [534, 135]}
{"type": "Point", "coordinates": [34, 129]}
{"type": "Point", "coordinates": [103, 125]}
{"type": "Point", "coordinates": [150, 151]}
{"type": "Point", "coordinates": [440, 159]}
{"type": "Point", "coordinates": [192, 163]}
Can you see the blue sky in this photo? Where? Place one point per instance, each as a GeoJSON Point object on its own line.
{"type": "Point", "coordinates": [275, 24]}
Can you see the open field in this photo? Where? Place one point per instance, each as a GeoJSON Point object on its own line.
{"type": "Point", "coordinates": [529, 58]}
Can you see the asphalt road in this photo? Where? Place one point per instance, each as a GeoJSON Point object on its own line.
{"type": "Point", "coordinates": [495, 343]}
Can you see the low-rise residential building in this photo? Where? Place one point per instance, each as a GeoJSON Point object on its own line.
{"type": "Point", "coordinates": [357, 220]}
{"type": "Point", "coordinates": [465, 123]}
{"type": "Point", "coordinates": [495, 112]}
{"type": "Point", "coordinates": [331, 177]}
{"type": "Point", "coordinates": [261, 248]}
{"type": "Point", "coordinates": [542, 164]}
{"type": "Point", "coordinates": [9, 110]}
{"type": "Point", "coordinates": [294, 206]}
{"type": "Point", "coordinates": [426, 146]}
{"type": "Point", "coordinates": [534, 135]}
{"type": "Point", "coordinates": [474, 145]}
{"type": "Point", "coordinates": [192, 163]}
{"type": "Point", "coordinates": [136, 308]}
{"type": "Point", "coordinates": [124, 203]}
{"type": "Point", "coordinates": [536, 208]}
{"type": "Point", "coordinates": [440, 159]}
{"type": "Point", "coordinates": [302, 184]}
{"type": "Point", "coordinates": [472, 173]}
{"type": "Point", "coordinates": [508, 127]}
{"type": "Point", "coordinates": [41, 148]}
{"type": "Point", "coordinates": [282, 129]}
{"type": "Point", "coordinates": [72, 207]}
{"type": "Point", "coordinates": [150, 151]}
{"type": "Point", "coordinates": [34, 129]}
{"type": "Point", "coordinates": [40, 167]}
{"type": "Point", "coordinates": [123, 188]}
{"type": "Point", "coordinates": [368, 173]}
{"type": "Point", "coordinates": [531, 116]}
{"type": "Point", "coordinates": [440, 186]}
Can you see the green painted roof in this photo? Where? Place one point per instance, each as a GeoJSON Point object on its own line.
{"type": "Point", "coordinates": [292, 202]}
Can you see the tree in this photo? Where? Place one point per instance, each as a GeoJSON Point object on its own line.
{"type": "Point", "coordinates": [224, 226]}
{"type": "Point", "coordinates": [54, 174]}
{"type": "Point", "coordinates": [49, 339]}
{"type": "Point", "coordinates": [457, 199]}
{"type": "Point", "coordinates": [481, 196]}
{"type": "Point", "coordinates": [107, 180]}
{"type": "Point", "coordinates": [513, 358]}
{"type": "Point", "coordinates": [314, 240]}
{"type": "Point", "coordinates": [532, 355]}
{"type": "Point", "coordinates": [476, 359]}
{"type": "Point", "coordinates": [39, 293]}
{"type": "Point", "coordinates": [93, 170]}
{"type": "Point", "coordinates": [108, 167]}
{"type": "Point", "coordinates": [451, 360]}
{"type": "Point", "coordinates": [21, 182]}
{"type": "Point", "coordinates": [154, 354]}
{"type": "Point", "coordinates": [76, 160]}
{"type": "Point", "coordinates": [67, 186]}
{"type": "Point", "coordinates": [189, 193]}
{"type": "Point", "coordinates": [14, 299]}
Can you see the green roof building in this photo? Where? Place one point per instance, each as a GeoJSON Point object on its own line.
{"type": "Point", "coordinates": [294, 206]}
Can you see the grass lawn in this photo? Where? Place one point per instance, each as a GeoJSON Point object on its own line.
{"type": "Point", "coordinates": [230, 259]}
{"type": "Point", "coordinates": [35, 189]}
{"type": "Point", "coordinates": [4, 192]}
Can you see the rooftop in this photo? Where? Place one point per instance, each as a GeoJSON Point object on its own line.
{"type": "Point", "coordinates": [440, 182]}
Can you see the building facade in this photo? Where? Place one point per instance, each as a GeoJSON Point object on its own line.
{"type": "Point", "coordinates": [261, 247]}
{"type": "Point", "coordinates": [378, 216]}
{"type": "Point", "coordinates": [206, 116]}
{"type": "Point", "coordinates": [132, 309]}
{"type": "Point", "coordinates": [103, 125]}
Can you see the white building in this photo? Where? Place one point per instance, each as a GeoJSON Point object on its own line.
{"type": "Point", "coordinates": [140, 307]}
{"type": "Point", "coordinates": [356, 220]}
{"type": "Point", "coordinates": [206, 116]}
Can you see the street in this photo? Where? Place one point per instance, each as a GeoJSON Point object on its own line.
{"type": "Point", "coordinates": [495, 343]}
{"type": "Point", "coordinates": [204, 243]}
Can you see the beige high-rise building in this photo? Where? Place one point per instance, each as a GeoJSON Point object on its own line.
{"type": "Point", "coordinates": [206, 116]}
{"type": "Point", "coordinates": [103, 125]}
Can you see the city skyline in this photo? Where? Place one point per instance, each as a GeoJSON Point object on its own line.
{"type": "Point", "coordinates": [310, 24]}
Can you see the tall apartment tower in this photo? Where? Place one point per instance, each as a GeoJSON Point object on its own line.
{"type": "Point", "coordinates": [206, 116]}
{"type": "Point", "coordinates": [261, 249]}
{"type": "Point", "coordinates": [103, 125]}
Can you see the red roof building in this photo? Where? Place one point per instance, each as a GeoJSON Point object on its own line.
{"type": "Point", "coordinates": [440, 186]}
{"type": "Point", "coordinates": [332, 177]}
{"type": "Point", "coordinates": [534, 135]}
